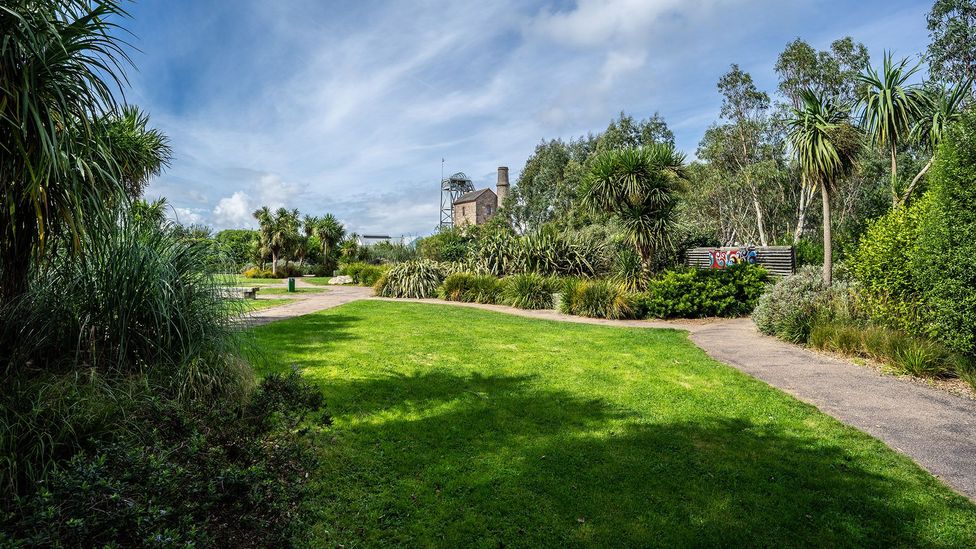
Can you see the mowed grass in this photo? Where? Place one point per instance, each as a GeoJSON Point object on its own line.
{"type": "Point", "coordinates": [318, 280]}
{"type": "Point", "coordinates": [243, 281]}
{"type": "Point", "coordinates": [460, 427]}
{"type": "Point", "coordinates": [259, 304]}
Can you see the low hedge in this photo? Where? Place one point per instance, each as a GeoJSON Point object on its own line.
{"type": "Point", "coordinates": [696, 293]}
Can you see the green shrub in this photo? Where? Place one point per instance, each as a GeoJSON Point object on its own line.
{"type": "Point", "coordinates": [597, 299]}
{"type": "Point", "coordinates": [914, 264]}
{"type": "Point", "coordinates": [471, 288]}
{"type": "Point", "coordinates": [255, 272]}
{"type": "Point", "coordinates": [363, 274]}
{"type": "Point", "coordinates": [497, 252]}
{"type": "Point", "coordinates": [790, 307]}
{"type": "Point", "coordinates": [693, 293]}
{"type": "Point", "coordinates": [447, 245]}
{"type": "Point", "coordinates": [528, 291]}
{"type": "Point", "coordinates": [198, 475]}
{"type": "Point", "coordinates": [412, 279]}
{"type": "Point", "coordinates": [138, 301]}
{"type": "Point", "coordinates": [882, 266]}
{"type": "Point", "coordinates": [943, 258]}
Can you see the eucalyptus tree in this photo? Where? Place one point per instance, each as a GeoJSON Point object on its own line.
{"type": "Point", "coordinates": [746, 108]}
{"type": "Point", "coordinates": [60, 66]}
{"type": "Point", "coordinates": [952, 28]}
{"type": "Point", "coordinates": [941, 108]}
{"type": "Point", "coordinates": [826, 146]}
{"type": "Point", "coordinates": [890, 106]}
{"type": "Point", "coordinates": [278, 230]}
{"type": "Point", "coordinates": [640, 188]}
{"type": "Point", "coordinates": [831, 72]}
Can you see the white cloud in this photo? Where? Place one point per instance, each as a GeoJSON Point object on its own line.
{"type": "Point", "coordinates": [234, 211]}
{"type": "Point", "coordinates": [187, 216]}
{"type": "Point", "coordinates": [598, 22]}
{"type": "Point", "coordinates": [619, 64]}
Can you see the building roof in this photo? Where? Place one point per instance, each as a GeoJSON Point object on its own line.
{"type": "Point", "coordinates": [472, 196]}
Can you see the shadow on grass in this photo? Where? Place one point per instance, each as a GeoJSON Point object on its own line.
{"type": "Point", "coordinates": [454, 460]}
{"type": "Point", "coordinates": [316, 333]}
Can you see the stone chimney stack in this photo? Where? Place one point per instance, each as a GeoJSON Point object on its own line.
{"type": "Point", "coordinates": [501, 188]}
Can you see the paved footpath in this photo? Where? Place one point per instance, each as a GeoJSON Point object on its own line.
{"type": "Point", "coordinates": [935, 428]}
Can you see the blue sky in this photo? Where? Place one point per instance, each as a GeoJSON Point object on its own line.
{"type": "Point", "coordinates": [349, 106]}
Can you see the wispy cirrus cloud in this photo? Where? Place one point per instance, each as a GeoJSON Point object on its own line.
{"type": "Point", "coordinates": [349, 106]}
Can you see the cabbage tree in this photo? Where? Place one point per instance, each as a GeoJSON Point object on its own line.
{"type": "Point", "coordinates": [826, 147]}
{"type": "Point", "coordinates": [59, 68]}
{"type": "Point", "coordinates": [278, 230]}
{"type": "Point", "coordinates": [890, 107]}
{"type": "Point", "coordinates": [941, 108]}
{"type": "Point", "coordinates": [640, 188]}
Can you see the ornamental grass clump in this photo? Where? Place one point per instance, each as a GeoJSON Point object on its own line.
{"type": "Point", "coordinates": [471, 288]}
{"type": "Point", "coordinates": [597, 299]}
{"type": "Point", "coordinates": [528, 291]}
{"type": "Point", "coordinates": [418, 279]}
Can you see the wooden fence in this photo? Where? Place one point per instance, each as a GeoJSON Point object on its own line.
{"type": "Point", "coordinates": [778, 260]}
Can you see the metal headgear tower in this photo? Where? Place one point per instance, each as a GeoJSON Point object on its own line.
{"type": "Point", "coordinates": [451, 188]}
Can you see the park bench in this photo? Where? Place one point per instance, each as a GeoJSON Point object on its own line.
{"type": "Point", "coordinates": [241, 293]}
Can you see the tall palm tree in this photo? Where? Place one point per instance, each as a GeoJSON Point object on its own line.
{"type": "Point", "coordinates": [139, 152]}
{"type": "Point", "coordinates": [826, 147]}
{"type": "Point", "coordinates": [59, 68]}
{"type": "Point", "coordinates": [639, 187]}
{"type": "Point", "coordinates": [941, 108]}
{"type": "Point", "coordinates": [890, 106]}
{"type": "Point", "coordinates": [330, 232]}
{"type": "Point", "coordinates": [278, 230]}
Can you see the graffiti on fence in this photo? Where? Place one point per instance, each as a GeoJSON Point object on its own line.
{"type": "Point", "coordinates": [720, 259]}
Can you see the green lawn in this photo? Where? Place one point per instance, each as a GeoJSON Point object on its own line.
{"type": "Point", "coordinates": [318, 280]}
{"type": "Point", "coordinates": [241, 280]}
{"type": "Point", "coordinates": [460, 427]}
{"type": "Point", "coordinates": [258, 304]}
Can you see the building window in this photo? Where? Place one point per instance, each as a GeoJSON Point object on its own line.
{"type": "Point", "coordinates": [464, 210]}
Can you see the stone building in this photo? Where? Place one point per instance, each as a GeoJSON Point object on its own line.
{"type": "Point", "coordinates": [477, 207]}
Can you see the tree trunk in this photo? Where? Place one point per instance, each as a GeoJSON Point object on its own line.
{"type": "Point", "coordinates": [17, 251]}
{"type": "Point", "coordinates": [274, 264]}
{"type": "Point", "coordinates": [760, 223]}
{"type": "Point", "coordinates": [801, 215]}
{"type": "Point", "coordinates": [828, 262]}
{"type": "Point", "coordinates": [894, 175]}
{"type": "Point", "coordinates": [911, 187]}
{"type": "Point", "coordinates": [646, 254]}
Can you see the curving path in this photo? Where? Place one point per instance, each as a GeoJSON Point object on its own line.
{"type": "Point", "coordinates": [934, 428]}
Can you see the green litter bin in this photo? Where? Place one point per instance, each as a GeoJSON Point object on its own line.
{"type": "Point", "coordinates": [291, 284]}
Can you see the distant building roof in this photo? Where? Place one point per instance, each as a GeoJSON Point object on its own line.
{"type": "Point", "coordinates": [472, 196]}
{"type": "Point", "coordinates": [375, 237]}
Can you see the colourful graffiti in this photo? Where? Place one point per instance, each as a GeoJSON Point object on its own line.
{"type": "Point", "coordinates": [720, 259]}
